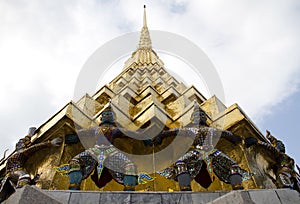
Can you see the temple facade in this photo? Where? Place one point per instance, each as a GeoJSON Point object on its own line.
{"type": "Point", "coordinates": [144, 96]}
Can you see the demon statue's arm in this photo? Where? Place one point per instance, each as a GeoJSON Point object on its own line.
{"type": "Point", "coordinates": [251, 141]}
{"type": "Point", "coordinates": [87, 133]}
{"type": "Point", "coordinates": [18, 159]}
{"type": "Point", "coordinates": [157, 140]}
{"type": "Point", "coordinates": [124, 133]}
{"type": "Point", "coordinates": [110, 133]}
{"type": "Point", "coordinates": [196, 134]}
{"type": "Point", "coordinates": [55, 142]}
{"type": "Point", "coordinates": [235, 139]}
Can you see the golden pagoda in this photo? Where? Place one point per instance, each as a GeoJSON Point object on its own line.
{"type": "Point", "coordinates": [145, 96]}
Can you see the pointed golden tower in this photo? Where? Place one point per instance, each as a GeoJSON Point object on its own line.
{"type": "Point", "coordinates": [145, 96]}
{"type": "Point", "coordinates": [144, 55]}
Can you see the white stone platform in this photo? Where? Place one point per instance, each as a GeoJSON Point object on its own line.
{"type": "Point", "coordinates": [33, 195]}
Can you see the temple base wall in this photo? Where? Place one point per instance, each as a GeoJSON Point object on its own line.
{"type": "Point", "coordinates": [30, 194]}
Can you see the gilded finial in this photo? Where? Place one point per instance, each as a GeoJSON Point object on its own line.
{"type": "Point", "coordinates": [145, 20]}
{"type": "Point", "coordinates": [145, 41]}
{"type": "Point", "coordinates": [143, 55]}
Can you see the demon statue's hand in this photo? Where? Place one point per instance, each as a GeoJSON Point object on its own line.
{"type": "Point", "coordinates": [154, 141]}
{"type": "Point", "coordinates": [56, 141]}
{"type": "Point", "coordinates": [157, 140]}
{"type": "Point", "coordinates": [147, 142]}
{"type": "Point", "coordinates": [250, 141]}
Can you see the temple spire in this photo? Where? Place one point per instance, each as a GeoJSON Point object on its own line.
{"type": "Point", "coordinates": [143, 55]}
{"type": "Point", "coordinates": [145, 19]}
{"type": "Point", "coordinates": [145, 41]}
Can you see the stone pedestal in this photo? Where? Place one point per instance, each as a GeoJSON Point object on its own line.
{"type": "Point", "coordinates": [33, 195]}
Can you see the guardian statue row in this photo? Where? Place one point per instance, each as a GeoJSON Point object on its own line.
{"type": "Point", "coordinates": [105, 157]}
{"type": "Point", "coordinates": [104, 162]}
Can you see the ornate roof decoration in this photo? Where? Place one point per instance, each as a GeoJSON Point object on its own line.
{"type": "Point", "coordinates": [144, 55]}
{"type": "Point", "coordinates": [145, 41]}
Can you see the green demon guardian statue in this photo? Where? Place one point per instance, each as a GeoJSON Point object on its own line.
{"type": "Point", "coordinates": [107, 161]}
{"type": "Point", "coordinates": [16, 174]}
{"type": "Point", "coordinates": [202, 159]}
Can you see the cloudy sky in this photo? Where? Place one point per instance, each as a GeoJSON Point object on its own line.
{"type": "Point", "coordinates": [254, 46]}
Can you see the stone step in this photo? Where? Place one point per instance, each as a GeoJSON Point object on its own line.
{"type": "Point", "coordinates": [30, 194]}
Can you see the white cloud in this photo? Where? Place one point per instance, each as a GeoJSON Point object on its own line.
{"type": "Point", "coordinates": [253, 45]}
{"type": "Point", "coordinates": [43, 45]}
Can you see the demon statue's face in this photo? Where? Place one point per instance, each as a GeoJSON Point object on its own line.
{"type": "Point", "coordinates": [107, 117]}
{"type": "Point", "coordinates": [20, 145]}
{"type": "Point", "coordinates": [199, 117]}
